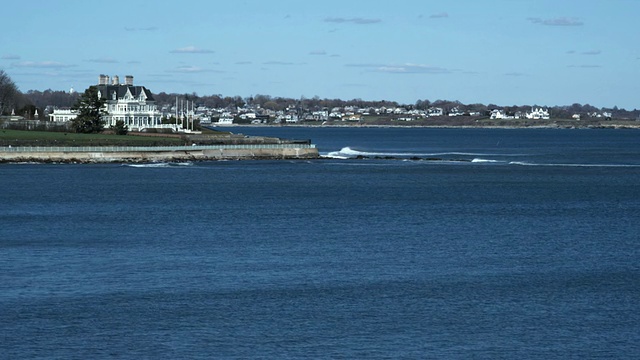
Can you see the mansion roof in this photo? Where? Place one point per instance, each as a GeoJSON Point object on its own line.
{"type": "Point", "coordinates": [106, 92]}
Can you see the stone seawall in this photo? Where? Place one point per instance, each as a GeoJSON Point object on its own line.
{"type": "Point", "coordinates": [150, 154]}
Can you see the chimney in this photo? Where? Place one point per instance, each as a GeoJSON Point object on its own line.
{"type": "Point", "coordinates": [128, 80]}
{"type": "Point", "coordinates": [115, 80]}
{"type": "Point", "coordinates": [103, 80]}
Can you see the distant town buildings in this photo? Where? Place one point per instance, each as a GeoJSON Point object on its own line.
{"type": "Point", "coordinates": [535, 114]}
{"type": "Point", "coordinates": [136, 107]}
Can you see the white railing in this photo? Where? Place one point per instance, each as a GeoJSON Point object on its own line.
{"type": "Point", "coordinates": [26, 149]}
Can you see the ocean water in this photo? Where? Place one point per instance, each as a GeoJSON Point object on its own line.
{"type": "Point", "coordinates": [442, 243]}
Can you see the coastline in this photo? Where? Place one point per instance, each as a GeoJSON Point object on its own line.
{"type": "Point", "coordinates": [241, 148]}
{"type": "Point", "coordinates": [621, 126]}
{"type": "Point", "coordinates": [157, 154]}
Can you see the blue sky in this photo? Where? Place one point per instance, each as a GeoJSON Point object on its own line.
{"type": "Point", "coordinates": [505, 52]}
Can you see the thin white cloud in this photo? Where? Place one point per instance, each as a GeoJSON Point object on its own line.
{"type": "Point", "coordinates": [283, 63]}
{"type": "Point", "coordinates": [590, 52]}
{"type": "Point", "coordinates": [403, 68]}
{"type": "Point", "coordinates": [190, 69]}
{"type": "Point", "coordinates": [365, 65]}
{"type": "Point", "coordinates": [413, 69]}
{"type": "Point", "coordinates": [244, 62]}
{"type": "Point", "coordinates": [561, 21]}
{"type": "Point", "coordinates": [10, 57]}
{"type": "Point", "coordinates": [103, 60]}
{"type": "Point", "coordinates": [41, 64]}
{"type": "Point", "coordinates": [357, 21]}
{"type": "Point", "coordinates": [585, 66]}
{"type": "Point", "coordinates": [191, 50]}
{"type": "Point", "coordinates": [439, 15]}
{"type": "Point", "coordinates": [515, 74]}
{"type": "Point", "coordinates": [318, 52]}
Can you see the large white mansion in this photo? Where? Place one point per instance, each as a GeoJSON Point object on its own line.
{"type": "Point", "coordinates": [132, 104]}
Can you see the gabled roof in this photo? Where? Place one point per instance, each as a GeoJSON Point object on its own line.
{"type": "Point", "coordinates": [121, 91]}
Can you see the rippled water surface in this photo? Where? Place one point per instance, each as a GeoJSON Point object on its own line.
{"type": "Point", "coordinates": [503, 244]}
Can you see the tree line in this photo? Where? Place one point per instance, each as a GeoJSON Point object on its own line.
{"type": "Point", "coordinates": [11, 99]}
{"type": "Point", "coordinates": [62, 99]}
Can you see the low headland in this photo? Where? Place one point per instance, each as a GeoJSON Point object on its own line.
{"type": "Point", "coordinates": [59, 147]}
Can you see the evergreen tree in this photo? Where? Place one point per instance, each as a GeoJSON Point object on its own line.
{"type": "Point", "coordinates": [90, 112]}
{"type": "Point", "coordinates": [120, 128]}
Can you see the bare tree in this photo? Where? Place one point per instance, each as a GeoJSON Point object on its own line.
{"type": "Point", "coordinates": [8, 93]}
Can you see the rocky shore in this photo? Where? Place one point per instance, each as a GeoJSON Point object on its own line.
{"type": "Point", "coordinates": [177, 154]}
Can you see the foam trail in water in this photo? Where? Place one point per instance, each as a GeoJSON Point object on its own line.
{"type": "Point", "coordinates": [159, 165]}
{"type": "Point", "coordinates": [523, 163]}
{"type": "Point", "coordinates": [348, 152]}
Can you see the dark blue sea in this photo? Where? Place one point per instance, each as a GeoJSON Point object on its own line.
{"type": "Point", "coordinates": [434, 244]}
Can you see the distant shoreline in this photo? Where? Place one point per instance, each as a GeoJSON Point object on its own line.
{"type": "Point", "coordinates": [355, 126]}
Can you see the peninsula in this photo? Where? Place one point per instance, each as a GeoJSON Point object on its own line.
{"type": "Point", "coordinates": [55, 147]}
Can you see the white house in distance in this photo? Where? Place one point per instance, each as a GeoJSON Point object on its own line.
{"type": "Point", "coordinates": [132, 104]}
{"type": "Point", "coordinates": [535, 114]}
{"type": "Point", "coordinates": [62, 115]}
{"type": "Point", "coordinates": [538, 113]}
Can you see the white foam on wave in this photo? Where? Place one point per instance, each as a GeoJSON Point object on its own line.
{"type": "Point", "coordinates": [478, 160]}
{"type": "Point", "coordinates": [153, 165]}
{"type": "Point", "coordinates": [348, 152]}
{"type": "Point", "coordinates": [159, 165]}
{"type": "Point", "coordinates": [335, 155]}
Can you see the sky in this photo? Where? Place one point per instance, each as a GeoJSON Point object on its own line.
{"type": "Point", "coordinates": [503, 52]}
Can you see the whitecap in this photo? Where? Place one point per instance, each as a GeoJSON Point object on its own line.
{"type": "Point", "coordinates": [478, 160]}
{"type": "Point", "coordinates": [160, 165]}
{"type": "Point", "coordinates": [150, 165]}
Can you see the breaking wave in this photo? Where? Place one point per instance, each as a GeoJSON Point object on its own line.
{"type": "Point", "coordinates": [348, 152]}
{"type": "Point", "coordinates": [478, 160]}
{"type": "Point", "coordinates": [160, 165]}
{"type": "Point", "coordinates": [468, 157]}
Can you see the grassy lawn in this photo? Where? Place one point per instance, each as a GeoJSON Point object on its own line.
{"type": "Point", "coordinates": [45, 138]}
